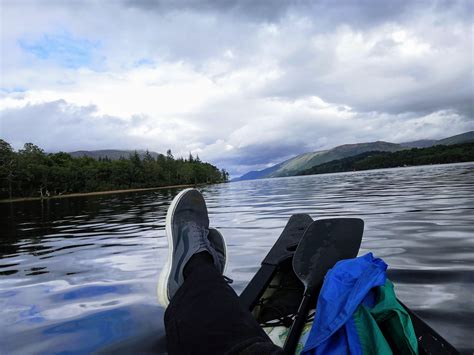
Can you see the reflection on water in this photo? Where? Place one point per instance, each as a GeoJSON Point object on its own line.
{"type": "Point", "coordinates": [80, 273]}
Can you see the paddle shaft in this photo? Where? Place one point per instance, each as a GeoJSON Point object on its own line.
{"type": "Point", "coordinates": [299, 322]}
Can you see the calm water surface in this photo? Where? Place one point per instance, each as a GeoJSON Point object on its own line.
{"type": "Point", "coordinates": [79, 274]}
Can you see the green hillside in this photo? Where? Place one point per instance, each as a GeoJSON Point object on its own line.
{"type": "Point", "coordinates": [439, 154]}
{"type": "Point", "coordinates": [302, 162]}
{"type": "Point", "coordinates": [467, 137]}
{"type": "Point", "coordinates": [308, 160]}
{"type": "Point", "coordinates": [288, 167]}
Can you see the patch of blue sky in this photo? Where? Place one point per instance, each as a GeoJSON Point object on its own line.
{"type": "Point", "coordinates": [12, 90]}
{"type": "Point", "coordinates": [144, 62]}
{"type": "Point", "coordinates": [62, 48]}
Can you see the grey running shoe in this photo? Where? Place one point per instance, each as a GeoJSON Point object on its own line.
{"type": "Point", "coordinates": [188, 232]}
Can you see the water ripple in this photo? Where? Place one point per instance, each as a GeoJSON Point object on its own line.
{"type": "Point", "coordinates": [80, 273]}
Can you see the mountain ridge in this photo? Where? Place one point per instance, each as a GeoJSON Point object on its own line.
{"type": "Point", "coordinates": [305, 161]}
{"type": "Point", "coordinates": [112, 154]}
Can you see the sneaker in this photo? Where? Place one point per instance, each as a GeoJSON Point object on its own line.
{"type": "Point", "coordinates": [188, 233]}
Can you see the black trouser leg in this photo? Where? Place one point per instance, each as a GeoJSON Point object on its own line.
{"type": "Point", "coordinates": [205, 317]}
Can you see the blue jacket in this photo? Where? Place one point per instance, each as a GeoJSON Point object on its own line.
{"type": "Point", "coordinates": [347, 285]}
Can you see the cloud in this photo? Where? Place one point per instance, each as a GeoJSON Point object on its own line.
{"type": "Point", "coordinates": [255, 10]}
{"type": "Point", "coordinates": [328, 13]}
{"type": "Point", "coordinates": [388, 69]}
{"type": "Point", "coordinates": [241, 83]}
{"type": "Point", "coordinates": [47, 123]}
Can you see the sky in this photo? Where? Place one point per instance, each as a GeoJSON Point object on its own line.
{"type": "Point", "coordinates": [243, 84]}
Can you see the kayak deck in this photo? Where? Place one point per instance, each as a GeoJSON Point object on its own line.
{"type": "Point", "coordinates": [275, 321]}
{"type": "Point", "coordinates": [268, 278]}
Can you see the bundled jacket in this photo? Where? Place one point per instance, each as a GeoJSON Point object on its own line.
{"type": "Point", "coordinates": [358, 313]}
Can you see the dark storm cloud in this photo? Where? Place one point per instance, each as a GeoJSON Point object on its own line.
{"type": "Point", "coordinates": [364, 13]}
{"type": "Point", "coordinates": [327, 13]}
{"type": "Point", "coordinates": [456, 95]}
{"type": "Point", "coordinates": [453, 93]}
{"type": "Point", "coordinates": [257, 10]}
{"type": "Point", "coordinates": [58, 126]}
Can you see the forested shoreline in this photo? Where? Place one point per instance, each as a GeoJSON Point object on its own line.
{"type": "Point", "coordinates": [30, 172]}
{"type": "Point", "coordinates": [439, 154]}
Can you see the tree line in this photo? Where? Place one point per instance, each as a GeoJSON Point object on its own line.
{"type": "Point", "coordinates": [30, 172]}
{"type": "Point", "coordinates": [440, 154]}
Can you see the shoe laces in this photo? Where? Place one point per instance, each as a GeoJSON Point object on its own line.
{"type": "Point", "coordinates": [205, 244]}
{"type": "Point", "coordinates": [227, 279]}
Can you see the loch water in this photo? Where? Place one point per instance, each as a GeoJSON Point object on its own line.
{"type": "Point", "coordinates": [79, 274]}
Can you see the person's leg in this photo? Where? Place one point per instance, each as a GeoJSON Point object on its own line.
{"type": "Point", "coordinates": [205, 316]}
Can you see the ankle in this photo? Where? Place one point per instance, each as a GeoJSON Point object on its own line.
{"type": "Point", "coordinates": [196, 262]}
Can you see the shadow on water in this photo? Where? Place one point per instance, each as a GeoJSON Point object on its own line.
{"type": "Point", "coordinates": [80, 273]}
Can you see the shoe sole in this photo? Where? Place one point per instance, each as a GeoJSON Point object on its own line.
{"type": "Point", "coordinates": [162, 289]}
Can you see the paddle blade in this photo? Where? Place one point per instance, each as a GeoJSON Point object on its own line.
{"type": "Point", "coordinates": [324, 243]}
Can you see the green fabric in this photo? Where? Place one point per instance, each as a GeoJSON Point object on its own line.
{"type": "Point", "coordinates": [371, 337]}
{"type": "Point", "coordinates": [387, 326]}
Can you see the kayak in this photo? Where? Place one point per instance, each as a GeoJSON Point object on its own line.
{"type": "Point", "coordinates": [274, 294]}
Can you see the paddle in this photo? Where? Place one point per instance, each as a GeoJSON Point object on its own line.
{"type": "Point", "coordinates": [284, 248]}
{"type": "Point", "coordinates": [324, 243]}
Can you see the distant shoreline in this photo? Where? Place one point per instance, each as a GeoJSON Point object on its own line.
{"type": "Point", "coordinates": [96, 193]}
{"type": "Point", "coordinates": [355, 171]}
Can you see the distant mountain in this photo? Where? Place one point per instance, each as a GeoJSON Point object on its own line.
{"type": "Point", "coordinates": [288, 167]}
{"type": "Point", "coordinates": [112, 154]}
{"type": "Point", "coordinates": [437, 154]}
{"type": "Point", "coordinates": [422, 143]}
{"type": "Point", "coordinates": [467, 137]}
{"type": "Point", "coordinates": [305, 161]}
{"type": "Point", "coordinates": [281, 168]}
{"type": "Point", "coordinates": [302, 162]}
{"type": "Point", "coordinates": [258, 174]}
